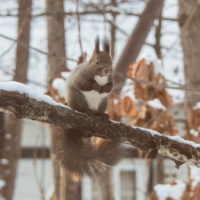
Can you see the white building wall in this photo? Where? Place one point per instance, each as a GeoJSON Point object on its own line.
{"type": "Point", "coordinates": [140, 167]}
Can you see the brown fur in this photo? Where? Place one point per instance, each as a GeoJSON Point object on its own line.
{"type": "Point", "coordinates": [76, 155]}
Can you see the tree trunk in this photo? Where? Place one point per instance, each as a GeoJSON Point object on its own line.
{"type": "Point", "coordinates": [135, 43]}
{"type": "Point", "coordinates": [105, 178]}
{"type": "Point", "coordinates": [113, 29]}
{"type": "Point", "coordinates": [189, 16]}
{"type": "Point", "coordinates": [56, 38]}
{"type": "Point", "coordinates": [2, 135]}
{"type": "Point", "coordinates": [66, 188]}
{"type": "Point", "coordinates": [12, 135]}
{"type": "Point", "coordinates": [106, 185]}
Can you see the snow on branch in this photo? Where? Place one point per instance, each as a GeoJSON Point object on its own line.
{"type": "Point", "coordinates": [23, 102]}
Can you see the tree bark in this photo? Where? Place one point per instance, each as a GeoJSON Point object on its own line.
{"type": "Point", "coordinates": [189, 15]}
{"type": "Point", "coordinates": [56, 38]}
{"type": "Point", "coordinates": [2, 135]}
{"type": "Point", "coordinates": [113, 29]}
{"type": "Point", "coordinates": [65, 186]}
{"type": "Point", "coordinates": [22, 53]}
{"type": "Point", "coordinates": [56, 46]}
{"type": "Point", "coordinates": [105, 179]}
{"type": "Point", "coordinates": [106, 185]}
{"type": "Point", "coordinates": [11, 142]}
{"type": "Point", "coordinates": [22, 105]}
{"type": "Point", "coordinates": [135, 43]}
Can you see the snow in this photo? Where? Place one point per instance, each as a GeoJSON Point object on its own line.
{"type": "Point", "coordinates": [181, 140]}
{"type": "Point", "coordinates": [175, 138]}
{"type": "Point", "coordinates": [170, 191]}
{"type": "Point", "coordinates": [24, 89]}
{"type": "Point", "coordinates": [2, 183]}
{"type": "Point", "coordinates": [197, 106]}
{"type": "Point", "coordinates": [8, 136]}
{"type": "Point", "coordinates": [158, 65]}
{"type": "Point", "coordinates": [65, 75]}
{"type": "Point", "coordinates": [194, 132]}
{"type": "Point", "coordinates": [60, 85]}
{"type": "Point", "coordinates": [195, 176]}
{"type": "Point", "coordinates": [155, 103]}
{"type": "Point", "coordinates": [128, 90]}
{"type": "Point", "coordinates": [4, 162]}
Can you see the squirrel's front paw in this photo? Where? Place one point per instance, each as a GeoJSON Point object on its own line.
{"type": "Point", "coordinates": [107, 88]}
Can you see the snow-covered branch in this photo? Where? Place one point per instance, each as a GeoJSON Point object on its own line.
{"type": "Point", "coordinates": [23, 102]}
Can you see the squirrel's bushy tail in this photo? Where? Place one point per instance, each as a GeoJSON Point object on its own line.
{"type": "Point", "coordinates": [82, 157]}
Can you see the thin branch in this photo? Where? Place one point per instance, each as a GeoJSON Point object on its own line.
{"type": "Point", "coordinates": [180, 87]}
{"type": "Point", "coordinates": [79, 27]}
{"type": "Point", "coordinates": [35, 49]}
{"type": "Point", "coordinates": [158, 35]}
{"type": "Point", "coordinates": [23, 105]}
{"type": "Point", "coordinates": [91, 12]}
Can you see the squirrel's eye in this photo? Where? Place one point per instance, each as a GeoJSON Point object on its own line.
{"type": "Point", "coordinates": [97, 62]}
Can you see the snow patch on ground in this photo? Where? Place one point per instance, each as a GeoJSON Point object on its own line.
{"type": "Point", "coordinates": [195, 176]}
{"type": "Point", "coordinates": [170, 191]}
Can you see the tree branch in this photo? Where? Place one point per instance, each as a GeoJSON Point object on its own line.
{"type": "Point", "coordinates": [42, 108]}
{"type": "Point", "coordinates": [135, 43]}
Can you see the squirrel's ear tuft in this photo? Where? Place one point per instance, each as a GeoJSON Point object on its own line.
{"type": "Point", "coordinates": [106, 46]}
{"type": "Point", "coordinates": [97, 45]}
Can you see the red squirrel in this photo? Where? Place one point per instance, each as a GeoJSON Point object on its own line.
{"type": "Point", "coordinates": [87, 90]}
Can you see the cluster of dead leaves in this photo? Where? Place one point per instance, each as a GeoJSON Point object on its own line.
{"type": "Point", "coordinates": [154, 195]}
{"type": "Point", "coordinates": [193, 122]}
{"type": "Point", "coordinates": [148, 84]}
{"type": "Point", "coordinates": [194, 119]}
{"type": "Point", "coordinates": [143, 115]}
{"type": "Point", "coordinates": [146, 87]}
{"type": "Point", "coordinates": [55, 94]}
{"type": "Point", "coordinates": [192, 193]}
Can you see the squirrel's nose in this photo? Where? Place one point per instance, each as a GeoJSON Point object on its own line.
{"type": "Point", "coordinates": [106, 71]}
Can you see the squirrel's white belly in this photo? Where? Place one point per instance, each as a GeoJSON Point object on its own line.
{"type": "Point", "coordinates": [94, 98]}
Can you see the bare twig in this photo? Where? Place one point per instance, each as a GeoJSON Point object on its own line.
{"type": "Point", "coordinates": [158, 35]}
{"type": "Point", "coordinates": [34, 48]}
{"type": "Point", "coordinates": [180, 87]}
{"type": "Point", "coordinates": [79, 27]}
{"type": "Point", "coordinates": [91, 12]}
